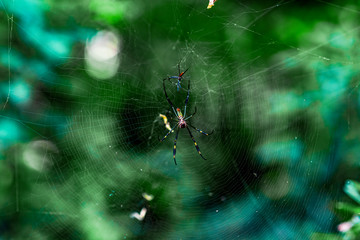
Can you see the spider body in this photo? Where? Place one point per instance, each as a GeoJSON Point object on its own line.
{"type": "Point", "coordinates": [181, 122]}
{"type": "Point", "coordinates": [178, 78]}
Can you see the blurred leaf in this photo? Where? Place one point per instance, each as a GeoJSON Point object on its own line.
{"type": "Point", "coordinates": [325, 236]}
{"type": "Point", "coordinates": [352, 188]}
{"type": "Point", "coordinates": [347, 207]}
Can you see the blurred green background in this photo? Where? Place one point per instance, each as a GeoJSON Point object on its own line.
{"type": "Point", "coordinates": [81, 94]}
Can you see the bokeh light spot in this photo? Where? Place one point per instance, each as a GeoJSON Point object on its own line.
{"type": "Point", "coordinates": [20, 92]}
{"type": "Point", "coordinates": [37, 155]}
{"type": "Point", "coordinates": [9, 133]}
{"type": "Point", "coordinates": [102, 55]}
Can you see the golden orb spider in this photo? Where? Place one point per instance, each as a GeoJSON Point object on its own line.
{"type": "Point", "coordinates": [181, 122]}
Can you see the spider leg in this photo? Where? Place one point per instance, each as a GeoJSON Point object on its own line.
{"type": "Point", "coordinates": [200, 131]}
{"type": "Point", "coordinates": [174, 153]}
{"type": "Point", "coordinates": [168, 133]}
{"type": "Point", "coordinates": [196, 146]}
{"type": "Point", "coordinates": [190, 115]}
{"type": "Point", "coordinates": [180, 78]}
{"type": "Point", "coordinates": [177, 79]}
{"type": "Point", "coordinates": [184, 72]}
{"type": "Point", "coordinates": [178, 86]}
{"type": "Point", "coordinates": [187, 98]}
{"type": "Point", "coordinates": [167, 98]}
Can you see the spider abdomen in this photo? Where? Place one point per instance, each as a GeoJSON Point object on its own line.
{"type": "Point", "coordinates": [182, 123]}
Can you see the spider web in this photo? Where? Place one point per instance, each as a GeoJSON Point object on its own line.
{"type": "Point", "coordinates": [85, 155]}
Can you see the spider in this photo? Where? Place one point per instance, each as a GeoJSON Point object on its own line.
{"type": "Point", "coordinates": [182, 122]}
{"type": "Point", "coordinates": [179, 77]}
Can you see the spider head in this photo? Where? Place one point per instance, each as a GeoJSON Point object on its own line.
{"type": "Point", "coordinates": [179, 112]}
